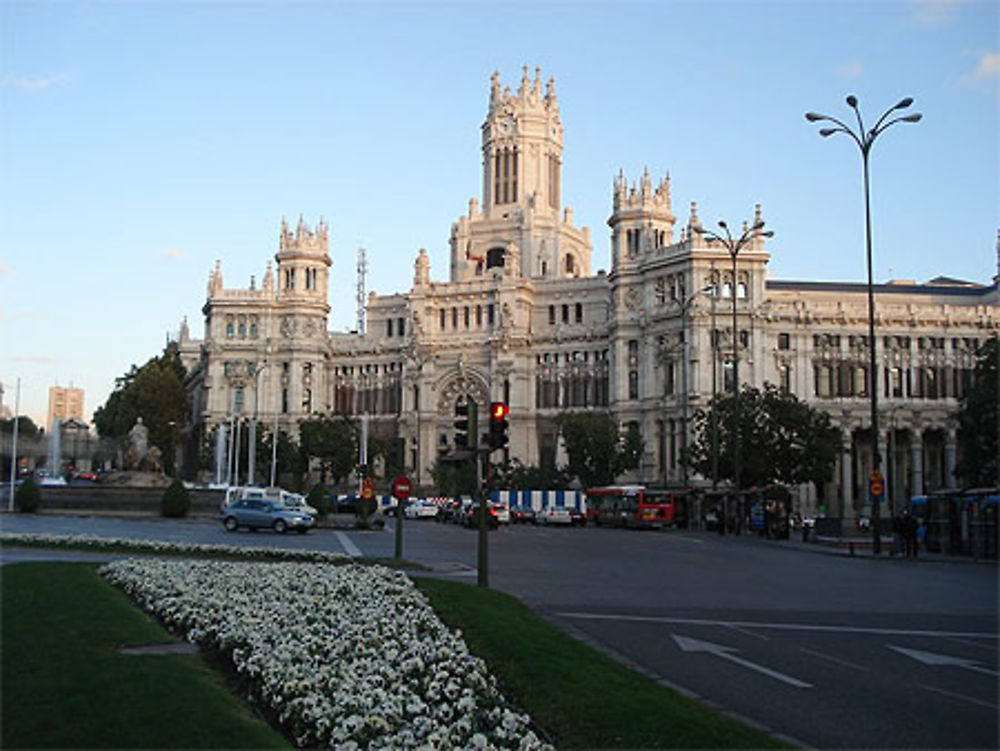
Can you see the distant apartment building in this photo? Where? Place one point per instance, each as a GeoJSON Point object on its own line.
{"type": "Point", "coordinates": [65, 403]}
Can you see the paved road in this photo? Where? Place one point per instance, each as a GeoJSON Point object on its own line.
{"type": "Point", "coordinates": [833, 651]}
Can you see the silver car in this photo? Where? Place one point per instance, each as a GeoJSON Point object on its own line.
{"type": "Point", "coordinates": [258, 514]}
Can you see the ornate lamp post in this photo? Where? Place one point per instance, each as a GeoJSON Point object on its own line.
{"type": "Point", "coordinates": [864, 140]}
{"type": "Point", "coordinates": [734, 246]}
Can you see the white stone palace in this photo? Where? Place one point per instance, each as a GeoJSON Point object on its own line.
{"type": "Point", "coordinates": [523, 319]}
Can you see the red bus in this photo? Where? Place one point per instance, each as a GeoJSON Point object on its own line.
{"type": "Point", "coordinates": [631, 506]}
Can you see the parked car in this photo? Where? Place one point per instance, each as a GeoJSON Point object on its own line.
{"type": "Point", "coordinates": [254, 513]}
{"type": "Point", "coordinates": [554, 515]}
{"type": "Point", "coordinates": [448, 510]}
{"type": "Point", "coordinates": [421, 509]}
{"type": "Point", "coordinates": [470, 516]}
{"type": "Point", "coordinates": [502, 511]}
{"type": "Point", "coordinates": [522, 514]}
{"type": "Point", "coordinates": [577, 517]}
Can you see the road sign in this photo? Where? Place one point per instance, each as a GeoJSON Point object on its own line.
{"type": "Point", "coordinates": [876, 484]}
{"type": "Point", "coordinates": [401, 487]}
{"type": "Point", "coordinates": [368, 489]}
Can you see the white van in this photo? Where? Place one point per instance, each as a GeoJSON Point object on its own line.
{"type": "Point", "coordinates": [288, 499]}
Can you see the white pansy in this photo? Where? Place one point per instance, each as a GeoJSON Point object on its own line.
{"type": "Point", "coordinates": [346, 656]}
{"type": "Point", "coordinates": [161, 546]}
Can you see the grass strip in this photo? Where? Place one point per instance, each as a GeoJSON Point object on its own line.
{"type": "Point", "coordinates": [66, 685]}
{"type": "Point", "coordinates": [582, 698]}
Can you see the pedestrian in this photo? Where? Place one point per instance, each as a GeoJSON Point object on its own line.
{"type": "Point", "coordinates": [897, 534]}
{"type": "Point", "coordinates": [909, 532]}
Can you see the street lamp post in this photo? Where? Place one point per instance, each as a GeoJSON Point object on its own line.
{"type": "Point", "coordinates": [733, 247]}
{"type": "Point", "coordinates": [864, 140]}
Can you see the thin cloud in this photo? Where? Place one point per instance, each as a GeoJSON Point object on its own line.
{"type": "Point", "coordinates": [850, 69]}
{"type": "Point", "coordinates": [4, 269]}
{"type": "Point", "coordinates": [39, 83]}
{"type": "Point", "coordinates": [173, 254]}
{"type": "Point", "coordinates": [989, 67]}
{"type": "Point", "coordinates": [936, 12]}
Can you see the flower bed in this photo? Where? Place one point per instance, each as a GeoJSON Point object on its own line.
{"type": "Point", "coordinates": [345, 656]}
{"type": "Point", "coordinates": [134, 545]}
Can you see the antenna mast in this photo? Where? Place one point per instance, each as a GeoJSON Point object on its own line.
{"type": "Point", "coordinates": [362, 273]}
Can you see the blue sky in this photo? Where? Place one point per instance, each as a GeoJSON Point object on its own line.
{"type": "Point", "coordinates": [140, 142]}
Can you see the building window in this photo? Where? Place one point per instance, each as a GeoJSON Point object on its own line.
{"type": "Point", "coordinates": [565, 313]}
{"type": "Point", "coordinates": [505, 176]}
{"type": "Point", "coordinates": [824, 381]}
{"type": "Point", "coordinates": [454, 318]}
{"type": "Point", "coordinates": [552, 315]}
{"type": "Point", "coordinates": [668, 378]}
{"type": "Point", "coordinates": [238, 400]}
{"type": "Point", "coordinates": [570, 265]}
{"type": "Point", "coordinates": [579, 312]}
{"type": "Point", "coordinates": [229, 330]}
{"type": "Point", "coordinates": [785, 378]}
{"type": "Point", "coordinates": [860, 380]}
{"type": "Point", "coordinates": [388, 327]}
{"type": "Point", "coordinates": [633, 369]}
{"type": "Point", "coordinates": [253, 330]}
{"type": "Point", "coordinates": [784, 341]}
{"type": "Point", "coordinates": [489, 314]}
{"type": "Point", "coordinates": [465, 316]}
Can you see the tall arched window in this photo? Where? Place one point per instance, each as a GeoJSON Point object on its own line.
{"type": "Point", "coordinates": [495, 258]}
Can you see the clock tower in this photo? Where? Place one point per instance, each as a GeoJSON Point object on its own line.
{"type": "Point", "coordinates": [521, 220]}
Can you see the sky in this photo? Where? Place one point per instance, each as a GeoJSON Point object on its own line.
{"type": "Point", "coordinates": [142, 141]}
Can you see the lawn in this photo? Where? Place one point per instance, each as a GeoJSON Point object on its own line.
{"type": "Point", "coordinates": [66, 685]}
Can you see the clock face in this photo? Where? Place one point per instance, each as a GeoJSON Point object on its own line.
{"type": "Point", "coordinates": [506, 126]}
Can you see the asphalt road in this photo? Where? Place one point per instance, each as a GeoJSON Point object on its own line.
{"type": "Point", "coordinates": [829, 650]}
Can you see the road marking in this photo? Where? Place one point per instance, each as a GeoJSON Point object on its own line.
{"type": "Point", "coordinates": [937, 660]}
{"type": "Point", "coordinates": [977, 645]}
{"type": "Point", "coordinates": [349, 547]}
{"type": "Point", "coordinates": [750, 633]}
{"type": "Point", "coordinates": [778, 626]}
{"type": "Point", "coordinates": [695, 540]}
{"type": "Point", "coordinates": [833, 659]}
{"type": "Point", "coordinates": [696, 645]}
{"type": "Point", "coordinates": [953, 695]}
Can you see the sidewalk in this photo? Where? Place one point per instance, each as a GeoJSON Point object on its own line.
{"type": "Point", "coordinates": [862, 549]}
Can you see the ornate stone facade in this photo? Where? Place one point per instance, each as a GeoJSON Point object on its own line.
{"type": "Point", "coordinates": [523, 319]}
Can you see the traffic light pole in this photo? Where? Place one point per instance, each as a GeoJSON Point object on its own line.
{"type": "Point", "coordinates": [483, 576]}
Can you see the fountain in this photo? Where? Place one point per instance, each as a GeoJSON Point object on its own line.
{"type": "Point", "coordinates": [53, 462]}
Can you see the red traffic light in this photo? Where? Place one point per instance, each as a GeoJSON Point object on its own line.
{"type": "Point", "coordinates": [499, 410]}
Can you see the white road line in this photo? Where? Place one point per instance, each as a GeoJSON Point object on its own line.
{"type": "Point", "coordinates": [750, 633]}
{"type": "Point", "coordinates": [695, 540]}
{"type": "Point", "coordinates": [688, 644]}
{"type": "Point", "coordinates": [960, 697]}
{"type": "Point", "coordinates": [349, 547]}
{"type": "Point", "coordinates": [778, 626]}
{"type": "Point", "coordinates": [833, 659]}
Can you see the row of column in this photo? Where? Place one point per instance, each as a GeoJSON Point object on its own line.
{"type": "Point", "coordinates": [916, 465]}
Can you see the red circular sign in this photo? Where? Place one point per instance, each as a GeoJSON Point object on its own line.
{"type": "Point", "coordinates": [401, 487]}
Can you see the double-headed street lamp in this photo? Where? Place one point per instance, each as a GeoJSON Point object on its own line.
{"type": "Point", "coordinates": [734, 246]}
{"type": "Point", "coordinates": [864, 140]}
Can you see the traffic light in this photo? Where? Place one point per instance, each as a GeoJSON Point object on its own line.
{"type": "Point", "coordinates": [461, 425]}
{"type": "Point", "coordinates": [499, 425]}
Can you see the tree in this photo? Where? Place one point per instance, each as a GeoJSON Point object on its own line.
{"type": "Point", "coordinates": [783, 439]}
{"type": "Point", "coordinates": [598, 451]}
{"type": "Point", "coordinates": [516, 476]}
{"type": "Point", "coordinates": [333, 442]}
{"type": "Point", "coordinates": [977, 424]}
{"type": "Point", "coordinates": [26, 427]}
{"type": "Point", "coordinates": [156, 393]}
